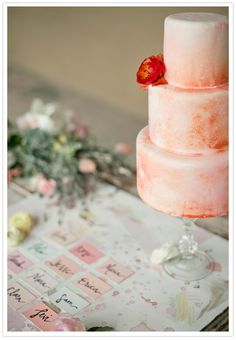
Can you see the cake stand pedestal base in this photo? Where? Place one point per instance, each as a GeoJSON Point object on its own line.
{"type": "Point", "coordinates": [194, 268]}
{"type": "Point", "coordinates": [191, 264]}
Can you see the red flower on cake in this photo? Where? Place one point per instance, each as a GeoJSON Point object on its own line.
{"type": "Point", "coordinates": [151, 71]}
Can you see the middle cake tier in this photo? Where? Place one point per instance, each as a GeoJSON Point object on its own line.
{"type": "Point", "coordinates": [188, 121]}
{"type": "Point", "coordinates": [180, 185]}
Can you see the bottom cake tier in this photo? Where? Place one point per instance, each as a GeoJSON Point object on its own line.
{"type": "Point", "coordinates": [179, 185]}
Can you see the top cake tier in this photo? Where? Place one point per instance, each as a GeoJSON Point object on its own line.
{"type": "Point", "coordinates": [196, 50]}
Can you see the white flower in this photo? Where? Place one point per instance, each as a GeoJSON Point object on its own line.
{"type": "Point", "coordinates": [39, 107]}
{"type": "Point", "coordinates": [39, 117]}
{"type": "Point", "coordinates": [36, 120]}
{"type": "Point", "coordinates": [166, 252]}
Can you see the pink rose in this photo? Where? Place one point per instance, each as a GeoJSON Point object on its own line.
{"type": "Point", "coordinates": [123, 149]}
{"type": "Point", "coordinates": [86, 165]}
{"type": "Point", "coordinates": [76, 126]}
{"type": "Point", "coordinates": [65, 323]}
{"type": "Point", "coordinates": [46, 187]}
{"type": "Point", "coordinates": [81, 131]}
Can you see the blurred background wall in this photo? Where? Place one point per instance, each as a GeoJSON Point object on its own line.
{"type": "Point", "coordinates": [95, 51]}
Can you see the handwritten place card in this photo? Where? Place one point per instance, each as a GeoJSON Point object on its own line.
{"type": "Point", "coordinates": [92, 286]}
{"type": "Point", "coordinates": [42, 316]}
{"type": "Point", "coordinates": [40, 249]}
{"type": "Point", "coordinates": [114, 271]}
{"type": "Point", "coordinates": [61, 236]}
{"type": "Point", "coordinates": [17, 262]}
{"type": "Point", "coordinates": [17, 295]}
{"type": "Point", "coordinates": [68, 301]}
{"type": "Point", "coordinates": [40, 280]}
{"type": "Point", "coordinates": [86, 252]}
{"type": "Point", "coordinates": [63, 266]}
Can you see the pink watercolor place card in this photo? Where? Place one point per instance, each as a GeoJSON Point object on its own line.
{"type": "Point", "coordinates": [18, 296]}
{"type": "Point", "coordinates": [17, 262]}
{"type": "Point", "coordinates": [63, 266]}
{"type": "Point", "coordinates": [40, 280]}
{"type": "Point", "coordinates": [42, 316]}
{"type": "Point", "coordinates": [86, 252]}
{"type": "Point", "coordinates": [68, 301]}
{"type": "Point", "coordinates": [61, 236]}
{"type": "Point", "coordinates": [92, 286]}
{"type": "Point", "coordinates": [114, 271]}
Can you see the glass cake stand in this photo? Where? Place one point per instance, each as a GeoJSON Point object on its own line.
{"type": "Point", "coordinates": [191, 264]}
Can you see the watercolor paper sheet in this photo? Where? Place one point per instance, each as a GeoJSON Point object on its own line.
{"type": "Point", "coordinates": [92, 261]}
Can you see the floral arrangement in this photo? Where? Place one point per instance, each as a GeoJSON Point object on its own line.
{"type": "Point", "coordinates": [151, 71]}
{"type": "Point", "coordinates": [54, 148]}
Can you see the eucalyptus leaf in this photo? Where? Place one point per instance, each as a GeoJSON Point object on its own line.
{"type": "Point", "coordinates": [14, 140]}
{"type": "Point", "coordinates": [100, 329]}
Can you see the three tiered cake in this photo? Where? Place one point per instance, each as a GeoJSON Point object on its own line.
{"type": "Point", "coordinates": [182, 155]}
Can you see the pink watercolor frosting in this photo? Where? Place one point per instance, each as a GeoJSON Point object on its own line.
{"type": "Point", "coordinates": [188, 121]}
{"type": "Point", "coordinates": [196, 49]}
{"type": "Point", "coordinates": [182, 156]}
{"type": "Point", "coordinates": [181, 185]}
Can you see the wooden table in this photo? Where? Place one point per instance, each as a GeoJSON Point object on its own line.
{"type": "Point", "coordinates": [119, 127]}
